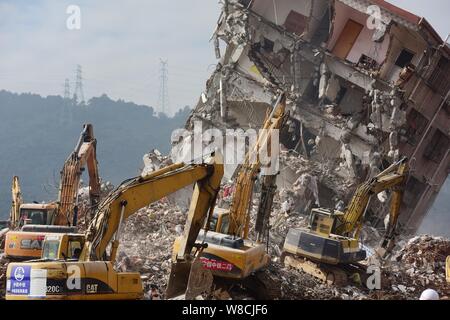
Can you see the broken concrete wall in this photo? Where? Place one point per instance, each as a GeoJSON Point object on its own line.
{"type": "Point", "coordinates": [278, 11]}
{"type": "Point", "coordinates": [405, 47]}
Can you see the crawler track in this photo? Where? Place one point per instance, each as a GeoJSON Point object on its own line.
{"type": "Point", "coordinates": [338, 275]}
{"type": "Point", "coordinates": [261, 285]}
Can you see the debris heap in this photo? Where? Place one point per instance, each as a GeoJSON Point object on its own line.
{"type": "Point", "coordinates": [146, 247]}
{"type": "Point", "coordinates": [420, 264]}
{"type": "Point", "coordinates": [3, 265]}
{"type": "Point", "coordinates": [146, 243]}
{"type": "Point", "coordinates": [84, 204]}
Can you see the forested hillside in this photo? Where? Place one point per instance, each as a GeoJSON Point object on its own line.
{"type": "Point", "coordinates": [38, 133]}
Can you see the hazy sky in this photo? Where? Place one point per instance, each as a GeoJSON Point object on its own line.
{"type": "Point", "coordinates": [120, 44]}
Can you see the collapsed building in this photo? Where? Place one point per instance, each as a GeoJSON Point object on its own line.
{"type": "Point", "coordinates": [368, 84]}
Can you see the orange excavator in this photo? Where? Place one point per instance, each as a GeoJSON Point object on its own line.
{"type": "Point", "coordinates": [29, 223]}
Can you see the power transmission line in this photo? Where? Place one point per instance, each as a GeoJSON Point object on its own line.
{"type": "Point", "coordinates": [67, 90]}
{"type": "Point", "coordinates": [78, 94]}
{"type": "Point", "coordinates": [65, 116]}
{"type": "Point", "coordinates": [163, 100]}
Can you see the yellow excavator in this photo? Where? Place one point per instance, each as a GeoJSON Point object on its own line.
{"type": "Point", "coordinates": [229, 253]}
{"type": "Point", "coordinates": [29, 223]}
{"type": "Point", "coordinates": [17, 201]}
{"type": "Point", "coordinates": [81, 266]}
{"type": "Point", "coordinates": [447, 269]}
{"type": "Point", "coordinates": [331, 242]}
{"type": "Point", "coordinates": [14, 213]}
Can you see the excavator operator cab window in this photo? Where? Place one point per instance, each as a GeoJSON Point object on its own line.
{"type": "Point", "coordinates": [50, 249]}
{"type": "Point", "coordinates": [50, 217]}
{"type": "Point", "coordinates": [29, 216]}
{"type": "Point", "coordinates": [322, 221]}
{"type": "Point", "coordinates": [219, 222]}
{"type": "Point", "coordinates": [213, 223]}
{"type": "Point", "coordinates": [224, 223]}
{"type": "Point", "coordinates": [74, 249]}
{"type": "Point", "coordinates": [38, 217]}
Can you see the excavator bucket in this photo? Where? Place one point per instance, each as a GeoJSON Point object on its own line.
{"type": "Point", "coordinates": [188, 278]}
{"type": "Point", "coordinates": [385, 247]}
{"type": "Point", "coordinates": [178, 279]}
{"type": "Point", "coordinates": [200, 280]}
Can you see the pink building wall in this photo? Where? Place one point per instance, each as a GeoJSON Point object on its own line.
{"type": "Point", "coordinates": [364, 43]}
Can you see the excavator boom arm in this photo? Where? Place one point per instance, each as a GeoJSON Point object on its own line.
{"type": "Point", "coordinates": [14, 216]}
{"type": "Point", "coordinates": [83, 154]}
{"type": "Point", "coordinates": [139, 192]}
{"type": "Point", "coordinates": [389, 178]}
{"type": "Point", "coordinates": [242, 200]}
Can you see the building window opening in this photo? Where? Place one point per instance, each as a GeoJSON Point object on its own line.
{"type": "Point", "coordinates": [404, 58]}
{"type": "Point", "coordinates": [437, 147]}
{"type": "Point", "coordinates": [417, 124]}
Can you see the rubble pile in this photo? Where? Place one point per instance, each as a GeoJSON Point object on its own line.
{"type": "Point", "coordinates": [297, 285]}
{"type": "Point", "coordinates": [370, 236]}
{"type": "Point", "coordinates": [154, 160]}
{"type": "Point", "coordinates": [416, 265]}
{"type": "Point", "coordinates": [420, 264]}
{"type": "Point", "coordinates": [84, 204]}
{"type": "Point", "coordinates": [311, 173]}
{"type": "Point", "coordinates": [146, 243]}
{"type": "Point", "coordinates": [3, 265]}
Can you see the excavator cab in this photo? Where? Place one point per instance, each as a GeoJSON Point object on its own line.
{"type": "Point", "coordinates": [323, 221]}
{"type": "Point", "coordinates": [37, 214]}
{"type": "Point", "coordinates": [27, 243]}
{"type": "Point", "coordinates": [35, 221]}
{"type": "Point", "coordinates": [62, 246]}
